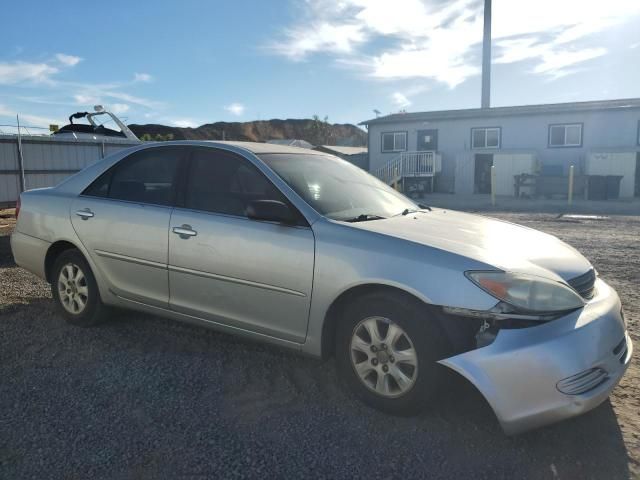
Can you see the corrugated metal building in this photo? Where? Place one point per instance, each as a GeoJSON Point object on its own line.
{"type": "Point", "coordinates": [33, 161]}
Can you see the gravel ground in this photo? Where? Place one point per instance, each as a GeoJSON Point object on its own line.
{"type": "Point", "coordinates": [143, 397]}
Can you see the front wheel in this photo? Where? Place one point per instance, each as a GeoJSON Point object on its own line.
{"type": "Point", "coordinates": [386, 352]}
{"type": "Point", "coordinates": [75, 290]}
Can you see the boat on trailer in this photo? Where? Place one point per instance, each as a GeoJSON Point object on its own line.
{"type": "Point", "coordinates": [35, 161]}
{"type": "Point", "coordinates": [94, 128]}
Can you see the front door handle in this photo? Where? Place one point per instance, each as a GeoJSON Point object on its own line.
{"type": "Point", "coordinates": [185, 231]}
{"type": "Point", "coordinates": [85, 214]}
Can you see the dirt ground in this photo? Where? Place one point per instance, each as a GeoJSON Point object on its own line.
{"type": "Point", "coordinates": [142, 397]}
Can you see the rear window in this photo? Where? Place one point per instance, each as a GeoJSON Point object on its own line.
{"type": "Point", "coordinates": [148, 176]}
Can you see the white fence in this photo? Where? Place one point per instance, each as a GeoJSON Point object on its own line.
{"type": "Point", "coordinates": [34, 161]}
{"type": "Point", "coordinates": [409, 164]}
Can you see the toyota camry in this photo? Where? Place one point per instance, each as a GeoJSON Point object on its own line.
{"type": "Point", "coordinates": [304, 250]}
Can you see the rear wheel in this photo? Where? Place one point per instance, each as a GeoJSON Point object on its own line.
{"type": "Point", "coordinates": [386, 351]}
{"type": "Point", "coordinates": [75, 291]}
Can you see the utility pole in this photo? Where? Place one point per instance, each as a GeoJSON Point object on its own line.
{"type": "Point", "coordinates": [486, 56]}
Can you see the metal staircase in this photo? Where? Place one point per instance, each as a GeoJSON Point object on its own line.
{"type": "Point", "coordinates": [409, 164]}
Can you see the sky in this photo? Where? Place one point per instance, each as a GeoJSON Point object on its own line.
{"type": "Point", "coordinates": [188, 62]}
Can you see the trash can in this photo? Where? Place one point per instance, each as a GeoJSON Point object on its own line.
{"type": "Point", "coordinates": [597, 187]}
{"type": "Point", "coordinates": [613, 186]}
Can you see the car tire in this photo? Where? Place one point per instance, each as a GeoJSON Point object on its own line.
{"type": "Point", "coordinates": [75, 290]}
{"type": "Point", "coordinates": [399, 375]}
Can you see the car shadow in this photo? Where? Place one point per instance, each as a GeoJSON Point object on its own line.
{"type": "Point", "coordinates": [6, 257]}
{"type": "Point", "coordinates": [590, 445]}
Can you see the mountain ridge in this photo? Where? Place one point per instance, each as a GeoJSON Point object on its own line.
{"type": "Point", "coordinates": [314, 131]}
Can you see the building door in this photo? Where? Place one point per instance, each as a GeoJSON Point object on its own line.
{"type": "Point", "coordinates": [482, 176]}
{"type": "Point", "coordinates": [427, 140]}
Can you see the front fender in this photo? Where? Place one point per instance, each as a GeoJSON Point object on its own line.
{"type": "Point", "coordinates": [348, 257]}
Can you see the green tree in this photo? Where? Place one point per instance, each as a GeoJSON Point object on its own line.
{"type": "Point", "coordinates": [158, 137]}
{"type": "Point", "coordinates": [320, 130]}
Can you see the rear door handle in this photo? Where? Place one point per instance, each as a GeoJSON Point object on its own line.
{"type": "Point", "coordinates": [185, 231]}
{"type": "Point", "coordinates": [85, 214]}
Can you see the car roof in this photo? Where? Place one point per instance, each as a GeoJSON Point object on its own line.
{"type": "Point", "coordinates": [260, 148]}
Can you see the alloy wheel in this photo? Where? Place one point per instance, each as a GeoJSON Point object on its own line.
{"type": "Point", "coordinates": [383, 357]}
{"type": "Point", "coordinates": [73, 289]}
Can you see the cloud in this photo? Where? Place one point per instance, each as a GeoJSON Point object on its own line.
{"type": "Point", "coordinates": [118, 108]}
{"type": "Point", "coordinates": [400, 100]}
{"type": "Point", "coordinates": [68, 60]}
{"type": "Point", "coordinates": [320, 37]}
{"type": "Point", "coordinates": [51, 90]}
{"type": "Point", "coordinates": [441, 41]}
{"type": "Point", "coordinates": [86, 99]}
{"type": "Point", "coordinates": [101, 94]}
{"type": "Point", "coordinates": [184, 123]}
{"type": "Point", "coordinates": [4, 111]}
{"type": "Point", "coordinates": [141, 101]}
{"type": "Point", "coordinates": [557, 63]}
{"type": "Point", "coordinates": [142, 77]}
{"type": "Point", "coordinates": [236, 109]}
{"type": "Point", "coordinates": [17, 72]}
{"type": "Point", "coordinates": [28, 119]}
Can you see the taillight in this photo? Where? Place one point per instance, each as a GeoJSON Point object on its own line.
{"type": "Point", "coordinates": [17, 208]}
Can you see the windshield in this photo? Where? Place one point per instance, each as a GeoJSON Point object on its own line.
{"type": "Point", "coordinates": [337, 189]}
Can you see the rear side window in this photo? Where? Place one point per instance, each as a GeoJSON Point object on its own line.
{"type": "Point", "coordinates": [100, 187]}
{"type": "Point", "coordinates": [148, 176]}
{"type": "Point", "coordinates": [221, 182]}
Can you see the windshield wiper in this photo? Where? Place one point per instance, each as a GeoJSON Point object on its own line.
{"type": "Point", "coordinates": [364, 217]}
{"type": "Point", "coordinates": [407, 211]}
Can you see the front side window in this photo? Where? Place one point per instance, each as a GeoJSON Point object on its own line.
{"type": "Point", "coordinates": [485, 137]}
{"type": "Point", "coordinates": [337, 189]}
{"type": "Point", "coordinates": [394, 141]}
{"type": "Point", "coordinates": [221, 182]}
{"type": "Point", "coordinates": [147, 176]}
{"type": "Point", "coordinates": [569, 135]}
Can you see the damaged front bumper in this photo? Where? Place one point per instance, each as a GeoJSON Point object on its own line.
{"type": "Point", "coordinates": [524, 372]}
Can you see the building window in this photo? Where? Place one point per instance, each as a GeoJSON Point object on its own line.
{"type": "Point", "coordinates": [485, 137]}
{"type": "Point", "coordinates": [569, 135]}
{"type": "Point", "coordinates": [394, 142]}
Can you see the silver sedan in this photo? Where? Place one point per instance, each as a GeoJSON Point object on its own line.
{"type": "Point", "coordinates": [304, 250]}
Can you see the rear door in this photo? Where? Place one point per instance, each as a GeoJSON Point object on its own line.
{"type": "Point", "coordinates": [123, 221]}
{"type": "Point", "coordinates": [248, 274]}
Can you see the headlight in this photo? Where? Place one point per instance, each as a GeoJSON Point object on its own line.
{"type": "Point", "coordinates": [527, 292]}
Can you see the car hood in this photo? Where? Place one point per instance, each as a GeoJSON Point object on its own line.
{"type": "Point", "coordinates": [504, 245]}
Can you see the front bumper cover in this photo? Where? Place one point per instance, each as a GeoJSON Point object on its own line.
{"type": "Point", "coordinates": [520, 371]}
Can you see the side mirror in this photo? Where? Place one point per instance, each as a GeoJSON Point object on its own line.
{"type": "Point", "coordinates": [271, 211]}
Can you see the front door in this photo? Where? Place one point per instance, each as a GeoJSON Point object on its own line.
{"type": "Point", "coordinates": [482, 175]}
{"type": "Point", "coordinates": [427, 140]}
{"type": "Point", "coordinates": [122, 219]}
{"type": "Point", "coordinates": [243, 273]}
